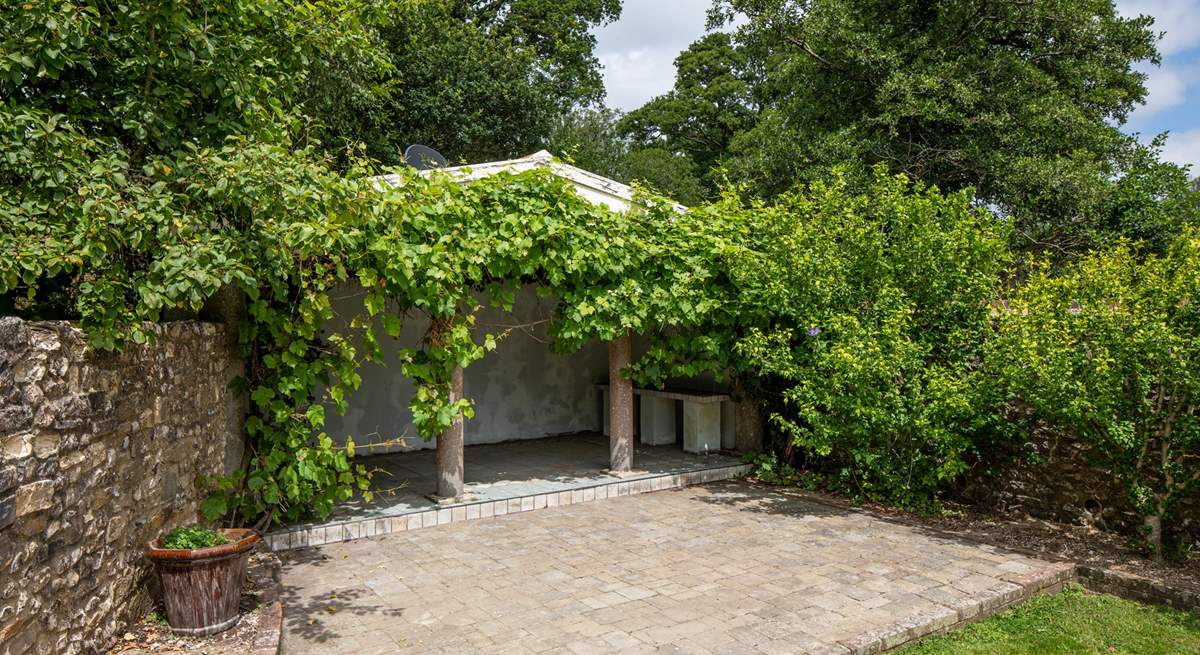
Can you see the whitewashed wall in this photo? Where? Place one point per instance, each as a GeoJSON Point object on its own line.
{"type": "Point", "coordinates": [521, 390]}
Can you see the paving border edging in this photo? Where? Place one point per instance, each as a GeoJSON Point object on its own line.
{"type": "Point", "coordinates": [269, 636]}
{"type": "Point", "coordinates": [335, 532]}
{"type": "Point", "coordinates": [1015, 589]}
{"type": "Point", "coordinates": [1093, 578]}
{"type": "Point", "coordinates": [1134, 587]}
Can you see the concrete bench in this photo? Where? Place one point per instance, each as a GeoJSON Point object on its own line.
{"type": "Point", "coordinates": [708, 418]}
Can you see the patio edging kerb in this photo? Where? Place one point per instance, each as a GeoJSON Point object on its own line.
{"type": "Point", "coordinates": [1016, 589]}
{"type": "Point", "coordinates": [340, 531]}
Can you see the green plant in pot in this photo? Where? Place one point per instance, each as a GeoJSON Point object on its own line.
{"type": "Point", "coordinates": [202, 573]}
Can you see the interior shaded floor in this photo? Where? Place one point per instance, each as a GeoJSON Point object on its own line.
{"type": "Point", "coordinates": [402, 482]}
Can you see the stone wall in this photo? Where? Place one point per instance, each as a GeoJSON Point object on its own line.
{"type": "Point", "coordinates": [99, 453]}
{"type": "Point", "coordinates": [1064, 485]}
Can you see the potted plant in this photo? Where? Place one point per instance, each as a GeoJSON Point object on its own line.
{"type": "Point", "coordinates": [202, 572]}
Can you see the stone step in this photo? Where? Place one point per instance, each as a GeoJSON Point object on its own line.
{"type": "Point", "coordinates": [286, 538]}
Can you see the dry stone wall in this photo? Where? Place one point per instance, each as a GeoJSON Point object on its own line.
{"type": "Point", "coordinates": [1064, 484]}
{"type": "Point", "coordinates": [100, 452]}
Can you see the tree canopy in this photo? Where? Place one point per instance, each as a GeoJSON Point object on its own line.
{"type": "Point", "coordinates": [478, 80]}
{"type": "Point", "coordinates": [1022, 102]}
{"type": "Point", "coordinates": [711, 103]}
{"type": "Point", "coordinates": [594, 140]}
{"type": "Point", "coordinates": [857, 274]}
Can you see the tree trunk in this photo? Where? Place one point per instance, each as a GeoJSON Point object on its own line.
{"type": "Point", "coordinates": [449, 442]}
{"type": "Point", "coordinates": [748, 430]}
{"type": "Point", "coordinates": [620, 394]}
{"type": "Point", "coordinates": [1154, 537]}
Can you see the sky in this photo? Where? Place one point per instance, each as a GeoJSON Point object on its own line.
{"type": "Point", "coordinates": [638, 53]}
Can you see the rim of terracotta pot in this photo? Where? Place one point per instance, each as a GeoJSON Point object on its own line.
{"type": "Point", "coordinates": [240, 540]}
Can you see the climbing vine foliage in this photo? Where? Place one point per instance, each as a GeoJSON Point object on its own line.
{"type": "Point", "coordinates": [290, 234]}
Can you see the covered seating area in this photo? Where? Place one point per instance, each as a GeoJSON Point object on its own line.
{"type": "Point", "coordinates": [548, 429]}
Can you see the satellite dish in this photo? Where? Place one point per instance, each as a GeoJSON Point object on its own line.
{"type": "Point", "coordinates": [423, 158]}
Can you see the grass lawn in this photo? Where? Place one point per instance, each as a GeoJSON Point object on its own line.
{"type": "Point", "coordinates": [1072, 622]}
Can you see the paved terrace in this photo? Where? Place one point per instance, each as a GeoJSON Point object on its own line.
{"type": "Point", "coordinates": [721, 568]}
{"type": "Point", "coordinates": [502, 478]}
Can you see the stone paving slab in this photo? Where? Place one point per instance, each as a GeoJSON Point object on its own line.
{"type": "Point", "coordinates": [503, 478]}
{"type": "Point", "coordinates": [723, 568]}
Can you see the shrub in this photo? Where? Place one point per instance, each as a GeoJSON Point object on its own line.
{"type": "Point", "coordinates": [188, 538]}
{"type": "Point", "coordinates": [866, 314]}
{"type": "Point", "coordinates": [1109, 349]}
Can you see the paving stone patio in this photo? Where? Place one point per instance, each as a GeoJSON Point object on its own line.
{"type": "Point", "coordinates": [512, 476]}
{"type": "Point", "coordinates": [721, 568]}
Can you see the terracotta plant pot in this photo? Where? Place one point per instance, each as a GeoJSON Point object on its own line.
{"type": "Point", "coordinates": [202, 587]}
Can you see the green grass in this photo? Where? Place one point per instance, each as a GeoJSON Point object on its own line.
{"type": "Point", "coordinates": [1073, 622]}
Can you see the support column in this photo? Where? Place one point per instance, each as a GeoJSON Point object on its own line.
{"type": "Point", "coordinates": [748, 432]}
{"type": "Point", "coordinates": [450, 441]}
{"type": "Point", "coordinates": [605, 413]}
{"type": "Point", "coordinates": [450, 446]}
{"type": "Point", "coordinates": [620, 389]}
{"type": "Point", "coordinates": [728, 425]}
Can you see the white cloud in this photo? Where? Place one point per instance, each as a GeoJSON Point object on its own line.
{"type": "Point", "coordinates": [635, 76]}
{"type": "Point", "coordinates": [1178, 18]}
{"type": "Point", "coordinates": [1183, 147]}
{"type": "Point", "coordinates": [638, 51]}
{"type": "Point", "coordinates": [1167, 87]}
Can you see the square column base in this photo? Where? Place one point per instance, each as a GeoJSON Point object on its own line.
{"type": "Point", "coordinates": [446, 501]}
{"type": "Point", "coordinates": [701, 427]}
{"type": "Point", "coordinates": [657, 421]}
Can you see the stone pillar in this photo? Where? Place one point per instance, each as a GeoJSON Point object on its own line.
{"type": "Point", "coordinates": [449, 442]}
{"type": "Point", "coordinates": [748, 432]}
{"type": "Point", "coordinates": [450, 446]}
{"type": "Point", "coordinates": [620, 440]}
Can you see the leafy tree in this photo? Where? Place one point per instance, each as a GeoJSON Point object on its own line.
{"type": "Point", "coordinates": [160, 76]}
{"type": "Point", "coordinates": [712, 101]}
{"type": "Point", "coordinates": [670, 173]}
{"type": "Point", "coordinates": [589, 138]}
{"type": "Point", "coordinates": [1021, 101]}
{"type": "Point", "coordinates": [1109, 350]}
{"type": "Point", "coordinates": [863, 313]}
{"type": "Point", "coordinates": [108, 112]}
{"type": "Point", "coordinates": [593, 140]}
{"type": "Point", "coordinates": [477, 79]}
{"type": "Point", "coordinates": [1150, 202]}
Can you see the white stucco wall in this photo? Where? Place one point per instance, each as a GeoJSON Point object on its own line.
{"type": "Point", "coordinates": [521, 390]}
